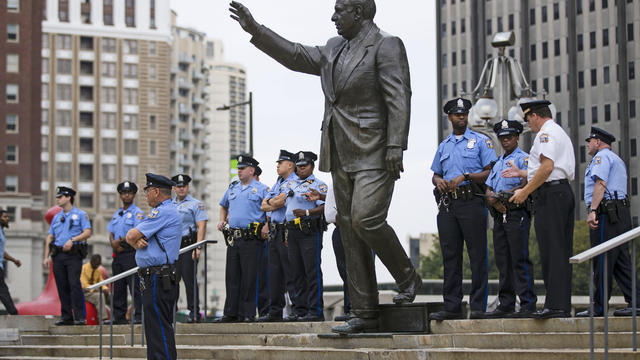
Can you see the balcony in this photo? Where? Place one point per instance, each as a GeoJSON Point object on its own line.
{"type": "Point", "coordinates": [185, 136]}
{"type": "Point", "coordinates": [184, 110]}
{"type": "Point", "coordinates": [198, 151]}
{"type": "Point", "coordinates": [173, 147]}
{"type": "Point", "coordinates": [174, 121]}
{"type": "Point", "coordinates": [183, 84]}
{"type": "Point", "coordinates": [197, 101]}
{"type": "Point", "coordinates": [196, 76]}
{"type": "Point", "coordinates": [174, 70]}
{"type": "Point", "coordinates": [184, 59]}
{"type": "Point", "coordinates": [198, 126]}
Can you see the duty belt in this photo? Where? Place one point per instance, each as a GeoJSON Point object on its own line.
{"type": "Point", "coordinates": [553, 183]}
{"type": "Point", "coordinates": [307, 224]}
{"type": "Point", "coordinates": [273, 226]}
{"type": "Point", "coordinates": [463, 192]}
{"type": "Point", "coordinates": [167, 275]}
{"type": "Point", "coordinates": [161, 270]}
{"type": "Point", "coordinates": [602, 208]}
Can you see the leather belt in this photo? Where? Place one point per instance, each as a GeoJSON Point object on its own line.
{"type": "Point", "coordinates": [151, 270]}
{"type": "Point", "coordinates": [554, 183]}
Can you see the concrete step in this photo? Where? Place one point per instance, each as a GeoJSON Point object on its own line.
{"type": "Point", "coordinates": [283, 353]}
{"type": "Point", "coordinates": [616, 324]}
{"type": "Point", "coordinates": [378, 341]}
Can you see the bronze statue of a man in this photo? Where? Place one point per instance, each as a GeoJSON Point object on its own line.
{"type": "Point", "coordinates": [365, 79]}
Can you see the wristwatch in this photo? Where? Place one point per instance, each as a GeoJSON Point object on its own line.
{"type": "Point", "coordinates": [466, 176]}
{"type": "Point", "coordinates": [307, 212]}
{"type": "Point", "coordinates": [593, 210]}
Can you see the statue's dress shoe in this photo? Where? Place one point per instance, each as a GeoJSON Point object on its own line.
{"type": "Point", "coordinates": [270, 318]}
{"type": "Point", "coordinates": [226, 319]}
{"type": "Point", "coordinates": [498, 314]}
{"type": "Point", "coordinates": [550, 313]}
{"type": "Point", "coordinates": [407, 295]}
{"type": "Point", "coordinates": [445, 315]}
{"type": "Point", "coordinates": [626, 312]}
{"type": "Point", "coordinates": [356, 325]}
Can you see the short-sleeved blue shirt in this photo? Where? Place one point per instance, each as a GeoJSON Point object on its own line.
{"type": "Point", "coordinates": [124, 220]}
{"type": "Point", "coordinates": [191, 211]}
{"type": "Point", "coordinates": [298, 200]}
{"type": "Point", "coordinates": [610, 168]}
{"type": "Point", "coordinates": [471, 153]}
{"type": "Point", "coordinates": [243, 203]}
{"type": "Point", "coordinates": [495, 179]}
{"type": "Point", "coordinates": [281, 186]}
{"type": "Point", "coordinates": [3, 243]}
{"type": "Point", "coordinates": [162, 225]}
{"type": "Point", "coordinates": [65, 226]}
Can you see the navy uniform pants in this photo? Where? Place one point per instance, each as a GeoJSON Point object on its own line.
{"type": "Point", "coordinates": [158, 303]}
{"type": "Point", "coordinates": [305, 260]}
{"type": "Point", "coordinates": [553, 220]}
{"type": "Point", "coordinates": [465, 222]}
{"type": "Point", "coordinates": [121, 263]}
{"type": "Point", "coordinates": [5, 296]}
{"type": "Point", "coordinates": [280, 279]}
{"type": "Point", "coordinates": [618, 259]}
{"type": "Point", "coordinates": [263, 278]}
{"type": "Point", "coordinates": [241, 278]}
{"type": "Point", "coordinates": [511, 246]}
{"type": "Point", "coordinates": [186, 267]}
{"type": "Point", "coordinates": [338, 250]}
{"type": "Point", "coordinates": [66, 271]}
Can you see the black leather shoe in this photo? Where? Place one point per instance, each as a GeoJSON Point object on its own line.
{"type": "Point", "coordinates": [356, 325]}
{"type": "Point", "coordinates": [64, 322]}
{"type": "Point", "coordinates": [498, 314]}
{"type": "Point", "coordinates": [344, 317]}
{"type": "Point", "coordinates": [626, 312]}
{"type": "Point", "coordinates": [226, 319]}
{"type": "Point", "coordinates": [522, 314]}
{"type": "Point", "coordinates": [550, 313]}
{"type": "Point", "coordinates": [291, 318]}
{"type": "Point", "coordinates": [116, 322]}
{"type": "Point", "coordinates": [586, 313]}
{"type": "Point", "coordinates": [311, 318]}
{"type": "Point", "coordinates": [137, 321]}
{"type": "Point", "coordinates": [249, 319]}
{"type": "Point", "coordinates": [80, 322]}
{"type": "Point", "coordinates": [475, 314]}
{"type": "Point", "coordinates": [270, 318]}
{"type": "Point", "coordinates": [406, 296]}
{"type": "Point", "coordinates": [445, 315]}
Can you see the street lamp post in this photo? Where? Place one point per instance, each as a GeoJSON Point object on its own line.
{"type": "Point", "coordinates": [250, 103]}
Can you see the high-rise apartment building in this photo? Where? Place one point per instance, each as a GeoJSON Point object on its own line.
{"type": "Point", "coordinates": [105, 101]}
{"type": "Point", "coordinates": [583, 53]}
{"type": "Point", "coordinates": [20, 36]}
{"type": "Point", "coordinates": [189, 106]}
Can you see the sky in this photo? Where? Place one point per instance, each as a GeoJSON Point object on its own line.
{"type": "Point", "coordinates": [288, 106]}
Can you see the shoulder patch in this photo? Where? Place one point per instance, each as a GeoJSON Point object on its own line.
{"type": "Point", "coordinates": [544, 138]}
{"type": "Point", "coordinates": [154, 213]}
{"type": "Point", "coordinates": [201, 206]}
{"type": "Point", "coordinates": [140, 216]}
{"type": "Point", "coordinates": [323, 188]}
{"type": "Point", "coordinates": [489, 143]}
{"type": "Point", "coordinates": [254, 190]}
{"type": "Point", "coordinates": [526, 161]}
{"type": "Point", "coordinates": [598, 160]}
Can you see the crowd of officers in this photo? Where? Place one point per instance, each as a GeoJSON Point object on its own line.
{"type": "Point", "coordinates": [516, 188]}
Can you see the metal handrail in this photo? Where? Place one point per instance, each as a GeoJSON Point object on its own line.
{"type": "Point", "coordinates": [132, 272]}
{"type": "Point", "coordinates": [589, 255]}
{"type": "Point", "coordinates": [135, 269]}
{"type": "Point", "coordinates": [605, 246]}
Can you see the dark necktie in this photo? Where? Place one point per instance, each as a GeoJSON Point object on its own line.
{"type": "Point", "coordinates": [340, 64]}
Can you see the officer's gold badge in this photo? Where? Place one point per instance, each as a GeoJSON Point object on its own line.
{"type": "Point", "coordinates": [544, 138]}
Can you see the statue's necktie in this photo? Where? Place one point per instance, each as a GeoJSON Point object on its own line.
{"type": "Point", "coordinates": [340, 64]}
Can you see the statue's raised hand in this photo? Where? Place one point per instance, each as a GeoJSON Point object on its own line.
{"type": "Point", "coordinates": [243, 16]}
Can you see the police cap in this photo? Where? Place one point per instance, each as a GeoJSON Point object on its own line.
{"type": "Point", "coordinates": [158, 181]}
{"type": "Point", "coordinates": [534, 105]}
{"type": "Point", "coordinates": [246, 160]}
{"type": "Point", "coordinates": [305, 157]}
{"type": "Point", "coordinates": [258, 171]}
{"type": "Point", "coordinates": [65, 191]}
{"type": "Point", "coordinates": [285, 156]}
{"type": "Point", "coordinates": [597, 133]}
{"type": "Point", "coordinates": [127, 186]}
{"type": "Point", "coordinates": [507, 127]}
{"type": "Point", "coordinates": [457, 106]}
{"type": "Point", "coordinates": [181, 179]}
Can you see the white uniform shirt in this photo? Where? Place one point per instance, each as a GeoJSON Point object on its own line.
{"type": "Point", "coordinates": [330, 209]}
{"type": "Point", "coordinates": [552, 142]}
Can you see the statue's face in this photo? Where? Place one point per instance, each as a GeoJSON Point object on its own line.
{"type": "Point", "coordinates": [344, 18]}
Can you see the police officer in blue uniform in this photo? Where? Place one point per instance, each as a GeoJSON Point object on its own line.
{"type": "Point", "coordinates": [460, 168]}
{"type": "Point", "coordinates": [263, 266]}
{"type": "Point", "coordinates": [605, 193]}
{"type": "Point", "coordinates": [511, 224]}
{"type": "Point", "coordinates": [67, 245]}
{"type": "Point", "coordinates": [243, 235]}
{"type": "Point", "coordinates": [157, 243]}
{"type": "Point", "coordinates": [194, 227]}
{"type": "Point", "coordinates": [279, 271]}
{"type": "Point", "coordinates": [123, 220]}
{"type": "Point", "coordinates": [305, 226]}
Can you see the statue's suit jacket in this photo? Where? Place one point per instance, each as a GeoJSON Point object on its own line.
{"type": "Point", "coordinates": [368, 106]}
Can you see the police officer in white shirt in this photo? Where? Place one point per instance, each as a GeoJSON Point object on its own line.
{"type": "Point", "coordinates": [551, 168]}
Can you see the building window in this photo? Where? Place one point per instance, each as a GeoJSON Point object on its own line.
{"type": "Point", "coordinates": [545, 50]}
{"type": "Point", "coordinates": [108, 201]}
{"type": "Point", "coordinates": [633, 148]}
{"type": "Point", "coordinates": [630, 31]}
{"type": "Point", "coordinates": [86, 119]}
{"type": "Point", "coordinates": [580, 42]}
{"type": "Point", "coordinates": [11, 123]}
{"type": "Point", "coordinates": [86, 172]}
{"type": "Point", "coordinates": [152, 72]}
{"type": "Point", "coordinates": [45, 117]}
{"type": "Point", "coordinates": [130, 147]}
{"type": "Point", "coordinates": [444, 60]}
{"type": "Point", "coordinates": [594, 77]}
{"type": "Point", "coordinates": [13, 31]}
{"type": "Point", "coordinates": [152, 147]}
{"type": "Point", "coordinates": [109, 69]}
{"type": "Point", "coordinates": [86, 145]}
{"type": "Point", "coordinates": [12, 63]}
{"type": "Point", "coordinates": [559, 118]}
{"type": "Point", "coordinates": [130, 47]}
{"type": "Point", "coordinates": [63, 118]}
{"type": "Point", "coordinates": [152, 122]}
{"type": "Point", "coordinates": [152, 14]}
{"type": "Point", "coordinates": [580, 79]}
{"type": "Point", "coordinates": [607, 112]}
{"type": "Point", "coordinates": [543, 13]}
{"type": "Point", "coordinates": [583, 154]}
{"type": "Point", "coordinates": [63, 92]}
{"type": "Point", "coordinates": [108, 120]}
{"type": "Point", "coordinates": [108, 45]}
{"type": "Point", "coordinates": [463, 26]}
{"type": "Point", "coordinates": [632, 109]}
{"type": "Point", "coordinates": [533, 52]}
{"type": "Point", "coordinates": [130, 13]}
{"type": "Point", "coordinates": [109, 95]}
{"type": "Point", "coordinates": [556, 11]}
{"type": "Point", "coordinates": [45, 66]}
{"type": "Point", "coordinates": [11, 183]}
{"type": "Point", "coordinates": [489, 30]}
{"type": "Point", "coordinates": [107, 12]}
{"type": "Point", "coordinates": [545, 84]}
{"type": "Point", "coordinates": [86, 67]}
{"type": "Point", "coordinates": [556, 47]}
{"type": "Point", "coordinates": [594, 114]}
{"type": "Point", "coordinates": [63, 171]}
{"type": "Point", "coordinates": [108, 146]}
{"type": "Point", "coordinates": [558, 83]}
{"type": "Point", "coordinates": [45, 143]}
{"type": "Point", "coordinates": [500, 26]}
{"type": "Point", "coordinates": [45, 91]}
{"type": "Point", "coordinates": [634, 186]}
{"type": "Point", "coordinates": [86, 43]}
{"type": "Point", "coordinates": [129, 172]}
{"type": "Point", "coordinates": [152, 48]}
{"type": "Point", "coordinates": [12, 93]}
{"type": "Point", "coordinates": [152, 97]}
{"type": "Point", "coordinates": [592, 40]}
{"type": "Point", "coordinates": [130, 122]}
{"type": "Point", "coordinates": [443, 30]}
{"type": "Point", "coordinates": [511, 22]}
{"type": "Point", "coordinates": [453, 28]}
{"type": "Point", "coordinates": [454, 59]}
{"type": "Point", "coordinates": [86, 200]}
{"type": "Point", "coordinates": [632, 70]}
{"type": "Point", "coordinates": [130, 96]}
{"type": "Point", "coordinates": [108, 172]}
{"type": "Point", "coordinates": [13, 5]}
{"type": "Point", "coordinates": [64, 66]}
{"type": "Point", "coordinates": [581, 116]}
{"type": "Point", "coordinates": [532, 16]}
{"type": "Point", "coordinates": [86, 93]}
{"type": "Point", "coordinates": [63, 42]}
{"type": "Point", "coordinates": [605, 37]}
{"type": "Point", "coordinates": [131, 71]}
{"type": "Point", "coordinates": [592, 5]}
{"type": "Point", "coordinates": [63, 144]}
{"type": "Point", "coordinates": [578, 7]}
{"type": "Point", "coordinates": [534, 85]}
{"type": "Point", "coordinates": [11, 155]}
{"type": "Point", "coordinates": [44, 170]}
{"type": "Point", "coordinates": [605, 75]}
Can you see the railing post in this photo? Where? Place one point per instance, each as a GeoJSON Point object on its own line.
{"type": "Point", "coordinates": [633, 293]}
{"type": "Point", "coordinates": [132, 281]}
{"type": "Point", "coordinates": [591, 310]}
{"type": "Point", "coordinates": [204, 318]}
{"type": "Point", "coordinates": [111, 322]}
{"type": "Point", "coordinates": [196, 303]}
{"type": "Point", "coordinates": [100, 323]}
{"type": "Point", "coordinates": [605, 303]}
{"type": "Point", "coordinates": [142, 326]}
